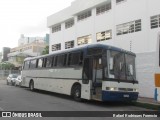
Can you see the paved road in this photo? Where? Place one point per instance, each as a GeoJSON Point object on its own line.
{"type": "Point", "coordinates": [22, 99]}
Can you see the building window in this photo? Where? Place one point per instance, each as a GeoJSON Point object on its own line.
{"type": "Point", "coordinates": [69, 24]}
{"type": "Point", "coordinates": [129, 27]}
{"type": "Point", "coordinates": [103, 8]}
{"type": "Point", "coordinates": [69, 44]}
{"type": "Point", "coordinates": [155, 21]}
{"type": "Point", "coordinates": [105, 35]}
{"type": "Point", "coordinates": [56, 47]}
{"type": "Point", "coordinates": [84, 40]}
{"type": "Point", "coordinates": [84, 15]}
{"type": "Point", "coordinates": [56, 28]}
{"type": "Point", "coordinates": [119, 1]}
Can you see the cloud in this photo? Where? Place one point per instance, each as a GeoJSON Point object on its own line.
{"type": "Point", "coordinates": [35, 29]}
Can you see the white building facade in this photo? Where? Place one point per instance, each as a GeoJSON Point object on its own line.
{"type": "Point", "coordinates": [133, 25]}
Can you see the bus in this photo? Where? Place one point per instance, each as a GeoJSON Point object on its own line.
{"type": "Point", "coordinates": [93, 72]}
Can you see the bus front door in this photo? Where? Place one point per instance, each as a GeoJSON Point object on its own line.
{"type": "Point", "coordinates": [97, 77]}
{"type": "Point", "coordinates": [87, 79]}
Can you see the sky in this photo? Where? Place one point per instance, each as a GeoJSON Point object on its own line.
{"type": "Point", "coordinates": [28, 17]}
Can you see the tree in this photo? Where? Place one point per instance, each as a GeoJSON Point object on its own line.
{"type": "Point", "coordinates": [46, 50]}
{"type": "Point", "coordinates": [6, 66]}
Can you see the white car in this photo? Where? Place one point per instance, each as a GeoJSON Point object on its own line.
{"type": "Point", "coordinates": [11, 79]}
{"type": "Point", "coordinates": [18, 81]}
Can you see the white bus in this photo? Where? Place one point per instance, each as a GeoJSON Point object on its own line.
{"type": "Point", "coordinates": [93, 72]}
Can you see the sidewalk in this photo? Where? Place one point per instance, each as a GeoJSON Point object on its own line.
{"type": "Point", "coordinates": [148, 103]}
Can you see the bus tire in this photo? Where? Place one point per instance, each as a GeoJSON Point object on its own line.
{"type": "Point", "coordinates": [31, 85]}
{"type": "Point", "coordinates": [77, 93]}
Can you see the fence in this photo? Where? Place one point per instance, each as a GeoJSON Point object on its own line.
{"type": "Point", "coordinates": [4, 73]}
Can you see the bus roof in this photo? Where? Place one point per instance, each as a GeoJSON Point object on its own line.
{"type": "Point", "coordinates": [84, 48]}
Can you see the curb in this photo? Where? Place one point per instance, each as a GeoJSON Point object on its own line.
{"type": "Point", "coordinates": [147, 105]}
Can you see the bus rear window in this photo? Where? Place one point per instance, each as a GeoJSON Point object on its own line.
{"type": "Point", "coordinates": [32, 64]}
{"type": "Point", "coordinates": [26, 65]}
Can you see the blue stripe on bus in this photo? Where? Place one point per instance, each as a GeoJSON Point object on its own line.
{"type": "Point", "coordinates": [119, 96]}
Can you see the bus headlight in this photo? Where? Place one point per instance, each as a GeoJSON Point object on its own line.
{"type": "Point", "coordinates": [111, 88]}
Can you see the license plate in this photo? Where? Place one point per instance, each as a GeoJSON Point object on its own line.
{"type": "Point", "coordinates": [126, 96]}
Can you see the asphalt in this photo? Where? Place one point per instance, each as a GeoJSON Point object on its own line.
{"type": "Point", "coordinates": [145, 102]}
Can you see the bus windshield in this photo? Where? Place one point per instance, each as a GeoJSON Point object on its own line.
{"type": "Point", "coordinates": [121, 66]}
{"type": "Point", "coordinates": [130, 67]}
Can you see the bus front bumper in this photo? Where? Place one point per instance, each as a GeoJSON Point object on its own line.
{"type": "Point", "coordinates": [119, 96]}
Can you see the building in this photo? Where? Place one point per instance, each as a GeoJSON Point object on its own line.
{"type": "Point", "coordinates": [18, 54]}
{"type": "Point", "coordinates": [0, 57]}
{"type": "Point", "coordinates": [5, 51]}
{"type": "Point", "coordinates": [133, 25]}
{"type": "Point", "coordinates": [27, 40]}
{"type": "Point", "coordinates": [46, 39]}
{"type": "Point", "coordinates": [27, 47]}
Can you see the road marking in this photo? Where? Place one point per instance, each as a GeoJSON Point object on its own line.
{"type": "Point", "coordinates": [1, 109]}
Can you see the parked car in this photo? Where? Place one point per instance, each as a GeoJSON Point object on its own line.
{"type": "Point", "coordinates": [18, 81]}
{"type": "Point", "coordinates": [11, 79]}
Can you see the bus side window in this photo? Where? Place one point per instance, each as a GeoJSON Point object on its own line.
{"type": "Point", "coordinates": [61, 60]}
{"type": "Point", "coordinates": [48, 62]}
{"type": "Point", "coordinates": [81, 59]}
{"type": "Point", "coordinates": [55, 61]}
{"type": "Point", "coordinates": [65, 60]}
{"type": "Point", "coordinates": [40, 63]}
{"type": "Point", "coordinates": [75, 59]}
{"type": "Point", "coordinates": [86, 71]}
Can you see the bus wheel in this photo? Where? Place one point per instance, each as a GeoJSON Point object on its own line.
{"type": "Point", "coordinates": [77, 93]}
{"type": "Point", "coordinates": [31, 86]}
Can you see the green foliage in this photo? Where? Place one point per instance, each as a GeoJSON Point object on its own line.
{"type": "Point", "coordinates": [6, 66]}
{"type": "Point", "coordinates": [46, 50]}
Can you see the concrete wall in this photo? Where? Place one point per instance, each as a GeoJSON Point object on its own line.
{"type": "Point", "coordinates": [146, 64]}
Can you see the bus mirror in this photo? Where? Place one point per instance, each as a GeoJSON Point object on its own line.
{"type": "Point", "coordinates": [120, 65]}
{"type": "Point", "coordinates": [100, 61]}
{"type": "Point", "coordinates": [111, 63]}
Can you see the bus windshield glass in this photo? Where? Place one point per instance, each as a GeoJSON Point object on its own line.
{"type": "Point", "coordinates": [121, 66]}
{"type": "Point", "coordinates": [130, 67]}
